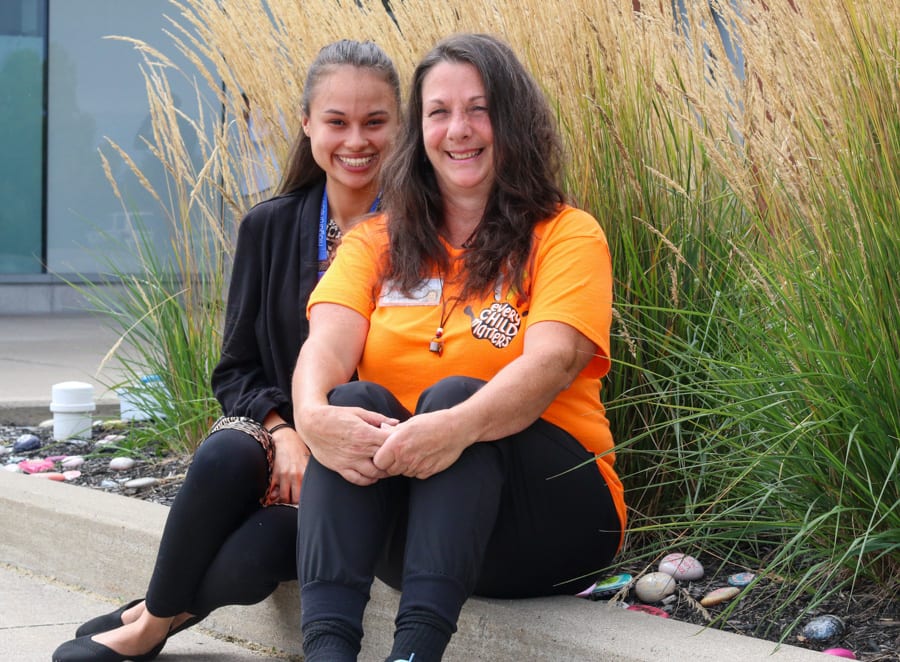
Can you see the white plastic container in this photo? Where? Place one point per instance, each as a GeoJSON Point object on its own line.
{"type": "Point", "coordinates": [72, 404]}
{"type": "Point", "coordinates": [136, 403]}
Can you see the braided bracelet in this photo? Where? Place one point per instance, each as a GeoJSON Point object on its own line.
{"type": "Point", "coordinates": [277, 427]}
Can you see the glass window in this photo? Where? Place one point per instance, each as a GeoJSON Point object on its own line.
{"type": "Point", "coordinates": [22, 28]}
{"type": "Point", "coordinates": [96, 91]}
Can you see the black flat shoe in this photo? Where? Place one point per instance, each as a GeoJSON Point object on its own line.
{"type": "Point", "coordinates": [85, 649]}
{"type": "Point", "coordinates": [106, 622]}
{"type": "Point", "coordinates": [190, 622]}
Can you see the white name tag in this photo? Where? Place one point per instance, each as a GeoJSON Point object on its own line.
{"type": "Point", "coordinates": [426, 294]}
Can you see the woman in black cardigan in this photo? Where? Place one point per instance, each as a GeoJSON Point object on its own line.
{"type": "Point", "coordinates": [231, 532]}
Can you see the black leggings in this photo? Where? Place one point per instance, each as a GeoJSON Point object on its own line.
{"type": "Point", "coordinates": [219, 546]}
{"type": "Point", "coordinates": [528, 515]}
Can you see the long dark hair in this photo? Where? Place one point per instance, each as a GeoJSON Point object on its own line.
{"type": "Point", "coordinates": [302, 170]}
{"type": "Point", "coordinates": [527, 159]}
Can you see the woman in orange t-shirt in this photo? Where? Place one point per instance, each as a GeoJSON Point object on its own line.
{"type": "Point", "coordinates": [473, 455]}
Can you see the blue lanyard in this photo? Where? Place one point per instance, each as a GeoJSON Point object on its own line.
{"type": "Point", "coordinates": [323, 225]}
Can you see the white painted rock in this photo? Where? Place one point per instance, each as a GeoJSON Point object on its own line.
{"type": "Point", "coordinates": [71, 475]}
{"type": "Point", "coordinates": [682, 567]}
{"type": "Point", "coordinates": [72, 462]}
{"type": "Point", "coordinates": [719, 595]}
{"type": "Point", "coordinates": [654, 586]}
{"type": "Point", "coordinates": [140, 483]}
{"type": "Point", "coordinates": [121, 464]}
{"type": "Point", "coordinates": [46, 424]}
{"type": "Point", "coordinates": [12, 468]}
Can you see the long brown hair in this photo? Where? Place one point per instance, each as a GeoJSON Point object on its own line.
{"type": "Point", "coordinates": [527, 159]}
{"type": "Point", "coordinates": [302, 170]}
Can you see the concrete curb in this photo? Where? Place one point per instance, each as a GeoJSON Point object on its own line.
{"type": "Point", "coordinates": [107, 543]}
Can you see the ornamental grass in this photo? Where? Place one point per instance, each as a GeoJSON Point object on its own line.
{"type": "Point", "coordinates": [745, 165]}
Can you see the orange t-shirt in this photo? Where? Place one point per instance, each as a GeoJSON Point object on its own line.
{"type": "Point", "coordinates": [569, 280]}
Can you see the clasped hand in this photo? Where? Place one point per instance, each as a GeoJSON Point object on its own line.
{"type": "Point", "coordinates": [422, 446]}
{"type": "Point", "coordinates": [364, 446]}
{"type": "Point", "coordinates": [345, 439]}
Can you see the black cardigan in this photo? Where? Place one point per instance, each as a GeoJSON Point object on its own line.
{"type": "Point", "coordinates": [275, 270]}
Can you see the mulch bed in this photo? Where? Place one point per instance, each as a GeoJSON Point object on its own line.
{"type": "Point", "coordinates": [871, 618]}
{"type": "Point", "coordinates": [871, 613]}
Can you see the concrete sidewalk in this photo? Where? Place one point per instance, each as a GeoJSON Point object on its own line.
{"type": "Point", "coordinates": [38, 613]}
{"type": "Point", "coordinates": [68, 553]}
{"type": "Point", "coordinates": [38, 351]}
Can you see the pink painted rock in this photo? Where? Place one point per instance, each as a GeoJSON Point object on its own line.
{"type": "Point", "coordinates": [649, 609]}
{"type": "Point", "coordinates": [681, 566]}
{"type": "Point", "coordinates": [719, 595]}
{"type": "Point", "coordinates": [35, 466]}
{"type": "Point", "coordinates": [840, 652]}
{"type": "Point", "coordinates": [71, 475]}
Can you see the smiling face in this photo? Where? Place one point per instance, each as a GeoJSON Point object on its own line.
{"type": "Point", "coordinates": [456, 130]}
{"type": "Point", "coordinates": [351, 122]}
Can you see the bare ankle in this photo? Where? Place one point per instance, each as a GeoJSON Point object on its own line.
{"type": "Point", "coordinates": [131, 615]}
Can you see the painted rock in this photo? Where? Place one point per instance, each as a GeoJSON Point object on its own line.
{"type": "Point", "coordinates": [654, 586]}
{"type": "Point", "coordinates": [72, 462]}
{"type": "Point", "coordinates": [50, 475]}
{"type": "Point", "coordinates": [71, 475]}
{"type": "Point", "coordinates": [26, 442]}
{"type": "Point", "coordinates": [681, 566]}
{"type": "Point", "coordinates": [649, 609]}
{"type": "Point", "coordinates": [12, 468]}
{"type": "Point", "coordinates": [822, 628]}
{"type": "Point", "coordinates": [741, 579]}
{"type": "Point", "coordinates": [140, 483]}
{"type": "Point", "coordinates": [108, 484]}
{"type": "Point", "coordinates": [719, 595]}
{"type": "Point", "coordinates": [606, 588]}
{"type": "Point", "coordinates": [840, 652]}
{"type": "Point", "coordinates": [36, 466]}
{"type": "Point", "coordinates": [121, 464]}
